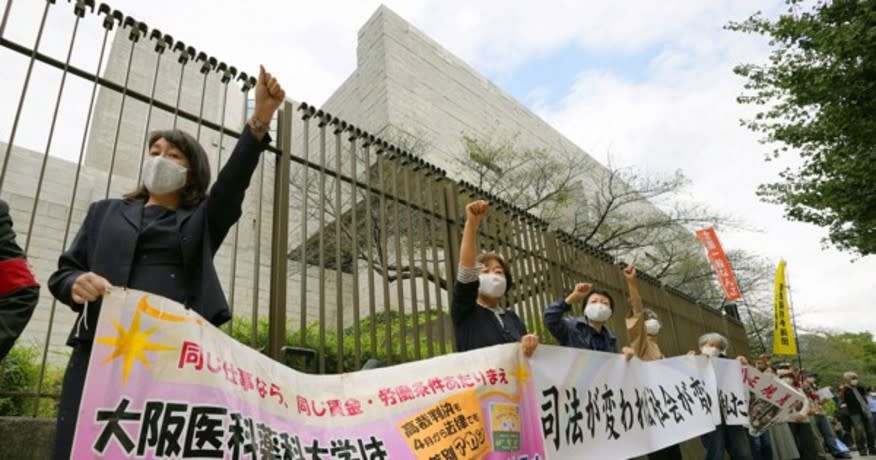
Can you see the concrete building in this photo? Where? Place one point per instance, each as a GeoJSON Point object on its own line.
{"type": "Point", "coordinates": [405, 84]}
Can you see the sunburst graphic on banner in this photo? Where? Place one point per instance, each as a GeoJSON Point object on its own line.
{"type": "Point", "coordinates": [132, 344]}
{"type": "Point", "coordinates": [521, 373]}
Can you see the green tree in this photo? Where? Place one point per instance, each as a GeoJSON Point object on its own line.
{"type": "Point", "coordinates": [831, 354]}
{"type": "Point", "coordinates": [817, 96]}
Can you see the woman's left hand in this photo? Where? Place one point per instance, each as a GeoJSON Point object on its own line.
{"type": "Point", "coordinates": [268, 96]}
{"type": "Point", "coordinates": [529, 342]}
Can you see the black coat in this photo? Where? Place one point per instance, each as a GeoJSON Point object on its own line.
{"type": "Point", "coordinates": [107, 241]}
{"type": "Point", "coordinates": [19, 291]}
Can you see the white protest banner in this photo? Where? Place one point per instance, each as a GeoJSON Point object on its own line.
{"type": "Point", "coordinates": [732, 394]}
{"type": "Point", "coordinates": [598, 405]}
{"type": "Point", "coordinates": [769, 400]}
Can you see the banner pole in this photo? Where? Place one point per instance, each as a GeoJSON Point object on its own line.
{"type": "Point", "coordinates": [793, 319]}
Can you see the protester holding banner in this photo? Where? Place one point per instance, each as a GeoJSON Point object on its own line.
{"type": "Point", "coordinates": [587, 332]}
{"type": "Point", "coordinates": [819, 419]}
{"type": "Point", "coordinates": [642, 329]}
{"type": "Point", "coordinates": [479, 319]}
{"type": "Point", "coordinates": [732, 438]}
{"type": "Point", "coordinates": [853, 397]}
{"type": "Point", "coordinates": [19, 290]}
{"type": "Point", "coordinates": [160, 238]}
{"type": "Point", "coordinates": [804, 434]}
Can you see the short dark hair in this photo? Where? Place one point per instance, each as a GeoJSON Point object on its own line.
{"type": "Point", "coordinates": [602, 292]}
{"type": "Point", "coordinates": [488, 256]}
{"type": "Point", "coordinates": [195, 190]}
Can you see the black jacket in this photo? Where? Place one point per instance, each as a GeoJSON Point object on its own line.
{"type": "Point", "coordinates": [19, 291]}
{"type": "Point", "coordinates": [575, 332]}
{"type": "Point", "coordinates": [475, 326]}
{"type": "Point", "coordinates": [107, 240]}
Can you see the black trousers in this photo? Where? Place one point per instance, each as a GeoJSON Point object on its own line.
{"type": "Point", "coordinates": [71, 395]}
{"type": "Point", "coordinates": [672, 452]}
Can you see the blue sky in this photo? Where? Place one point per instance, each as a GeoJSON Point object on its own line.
{"type": "Point", "coordinates": [545, 79]}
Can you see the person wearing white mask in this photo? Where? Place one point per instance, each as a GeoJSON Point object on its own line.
{"type": "Point", "coordinates": [853, 395]}
{"type": "Point", "coordinates": [160, 238]}
{"type": "Point", "coordinates": [588, 332]}
{"type": "Point", "coordinates": [732, 438]}
{"type": "Point", "coordinates": [479, 319]}
{"type": "Point", "coordinates": [643, 325]}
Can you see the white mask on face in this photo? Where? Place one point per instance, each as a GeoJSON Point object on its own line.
{"type": "Point", "coordinates": [652, 326]}
{"type": "Point", "coordinates": [492, 285]}
{"type": "Point", "coordinates": [709, 350]}
{"type": "Point", "coordinates": [161, 175]}
{"type": "Point", "coordinates": [854, 382]}
{"type": "Point", "coordinates": [597, 312]}
{"type": "Point", "coordinates": [788, 380]}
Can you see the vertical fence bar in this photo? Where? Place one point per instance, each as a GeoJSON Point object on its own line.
{"type": "Point", "coordinates": [384, 253]}
{"type": "Point", "coordinates": [51, 136]}
{"type": "Point", "coordinates": [160, 47]}
{"type": "Point", "coordinates": [5, 17]}
{"type": "Point", "coordinates": [422, 224]}
{"type": "Point", "coordinates": [513, 255]}
{"type": "Point", "coordinates": [354, 259]}
{"type": "Point", "coordinates": [134, 37]}
{"type": "Point", "coordinates": [225, 79]}
{"type": "Point", "coordinates": [396, 238]}
{"type": "Point", "coordinates": [108, 25]}
{"type": "Point", "coordinates": [323, 119]}
{"type": "Point", "coordinates": [339, 128]}
{"type": "Point", "coordinates": [436, 224]}
{"type": "Point", "coordinates": [24, 88]}
{"type": "Point", "coordinates": [236, 239]}
{"type": "Point", "coordinates": [206, 67]}
{"type": "Point", "coordinates": [39, 189]}
{"type": "Point", "coordinates": [452, 238]}
{"type": "Point", "coordinates": [412, 264]}
{"type": "Point", "coordinates": [280, 236]}
{"type": "Point", "coordinates": [183, 59]}
{"type": "Point", "coordinates": [305, 198]}
{"type": "Point", "coordinates": [369, 234]}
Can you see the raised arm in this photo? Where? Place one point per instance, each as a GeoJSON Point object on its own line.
{"type": "Point", "coordinates": [553, 315]}
{"type": "Point", "coordinates": [226, 196]}
{"type": "Point", "coordinates": [633, 287]}
{"type": "Point", "coordinates": [465, 290]}
{"type": "Point", "coordinates": [468, 248]}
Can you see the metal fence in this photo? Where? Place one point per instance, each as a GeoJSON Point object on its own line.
{"type": "Point", "coordinates": [347, 248]}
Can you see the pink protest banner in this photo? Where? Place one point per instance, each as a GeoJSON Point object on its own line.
{"type": "Point", "coordinates": [163, 382]}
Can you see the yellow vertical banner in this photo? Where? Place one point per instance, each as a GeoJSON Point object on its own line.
{"type": "Point", "coordinates": [784, 339]}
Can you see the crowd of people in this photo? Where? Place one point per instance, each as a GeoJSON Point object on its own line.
{"type": "Point", "coordinates": [162, 238]}
{"type": "Point", "coordinates": [836, 421]}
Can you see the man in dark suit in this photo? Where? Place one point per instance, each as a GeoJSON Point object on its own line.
{"type": "Point", "coordinates": [19, 290]}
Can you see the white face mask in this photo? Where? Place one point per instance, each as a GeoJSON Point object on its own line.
{"type": "Point", "coordinates": [492, 285]}
{"type": "Point", "coordinates": [597, 312]}
{"type": "Point", "coordinates": [709, 350]}
{"type": "Point", "coordinates": [788, 380]}
{"type": "Point", "coordinates": [854, 382]}
{"type": "Point", "coordinates": [652, 326]}
{"type": "Point", "coordinates": [161, 175]}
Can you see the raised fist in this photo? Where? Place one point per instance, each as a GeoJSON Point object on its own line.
{"type": "Point", "coordinates": [580, 291]}
{"type": "Point", "coordinates": [476, 210]}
